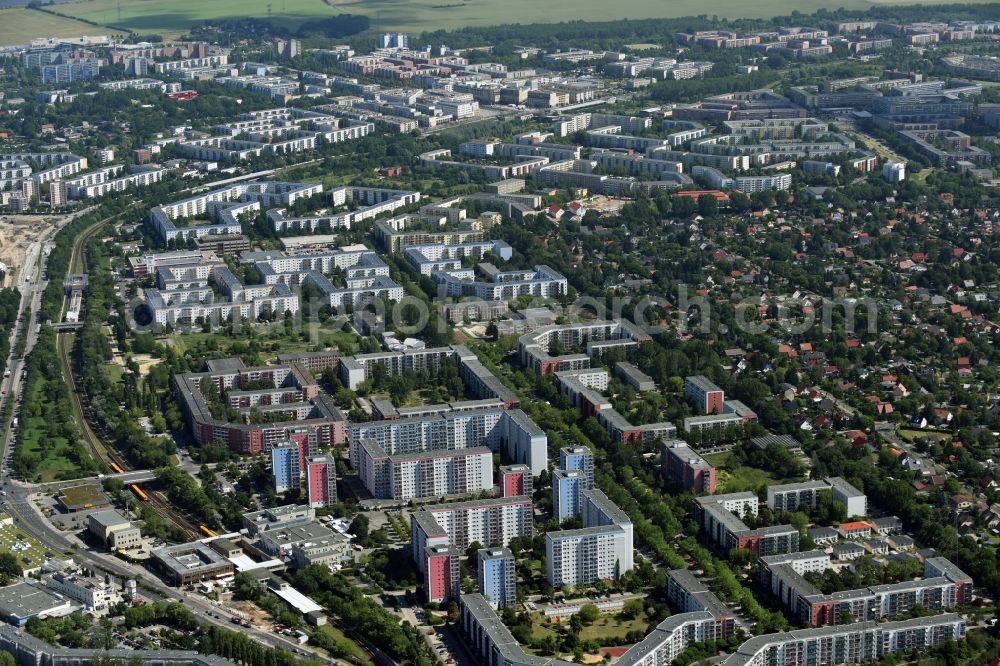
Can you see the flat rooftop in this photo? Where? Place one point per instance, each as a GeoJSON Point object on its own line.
{"type": "Point", "coordinates": [25, 600]}
{"type": "Point", "coordinates": [81, 496]}
{"type": "Point", "coordinates": [186, 558]}
{"type": "Point", "coordinates": [108, 518]}
{"type": "Point", "coordinates": [702, 383]}
{"type": "Point", "coordinates": [842, 486]}
{"type": "Point", "coordinates": [786, 441]}
{"type": "Point", "coordinates": [290, 536]}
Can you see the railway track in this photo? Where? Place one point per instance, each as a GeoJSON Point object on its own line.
{"type": "Point", "coordinates": [97, 439]}
{"type": "Point", "coordinates": [98, 447]}
{"type": "Point", "coordinates": [163, 507]}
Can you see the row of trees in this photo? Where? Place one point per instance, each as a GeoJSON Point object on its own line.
{"type": "Point", "coordinates": [10, 305]}
{"type": "Point", "coordinates": [105, 396]}
{"type": "Point", "coordinates": [48, 430]}
{"type": "Point", "coordinates": [662, 521]}
{"type": "Point", "coordinates": [233, 645]}
{"type": "Point", "coordinates": [341, 597]}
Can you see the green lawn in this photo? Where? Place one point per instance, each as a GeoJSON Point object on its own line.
{"type": "Point", "coordinates": [742, 478]}
{"type": "Point", "coordinates": [911, 435]}
{"type": "Point", "coordinates": [172, 17]}
{"type": "Point", "coordinates": [738, 479]}
{"type": "Point", "coordinates": [54, 464]}
{"type": "Point", "coordinates": [114, 372]}
{"type": "Point", "coordinates": [608, 626]}
{"type": "Point", "coordinates": [420, 397]}
{"type": "Point", "coordinates": [611, 626]}
{"type": "Point", "coordinates": [357, 655]}
{"type": "Point", "coordinates": [718, 459]}
{"type": "Point", "coordinates": [541, 627]}
{"type": "Point", "coordinates": [218, 341]}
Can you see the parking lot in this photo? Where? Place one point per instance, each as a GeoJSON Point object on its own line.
{"type": "Point", "coordinates": [12, 540]}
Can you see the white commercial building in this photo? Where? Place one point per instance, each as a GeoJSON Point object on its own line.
{"type": "Point", "coordinates": [95, 595]}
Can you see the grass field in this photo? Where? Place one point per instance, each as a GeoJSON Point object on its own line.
{"type": "Point", "coordinates": [911, 435]}
{"type": "Point", "coordinates": [606, 628]}
{"type": "Point", "coordinates": [739, 479]}
{"type": "Point", "coordinates": [357, 655]}
{"type": "Point", "coordinates": [611, 626]}
{"type": "Point", "coordinates": [54, 463]}
{"type": "Point", "coordinates": [18, 26]}
{"type": "Point", "coordinates": [172, 17]}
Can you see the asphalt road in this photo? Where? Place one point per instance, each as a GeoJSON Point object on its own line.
{"type": "Point", "coordinates": [31, 285]}
{"type": "Point", "coordinates": [16, 497]}
{"type": "Point", "coordinates": [28, 518]}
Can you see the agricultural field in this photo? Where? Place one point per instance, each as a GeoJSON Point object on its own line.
{"type": "Point", "coordinates": [17, 26]}
{"type": "Point", "coordinates": [173, 17]}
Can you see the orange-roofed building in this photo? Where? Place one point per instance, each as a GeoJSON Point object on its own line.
{"type": "Point", "coordinates": [721, 197]}
{"type": "Point", "coordinates": [859, 529]}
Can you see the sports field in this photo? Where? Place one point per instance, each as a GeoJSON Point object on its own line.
{"type": "Point", "coordinates": [18, 26]}
{"type": "Point", "coordinates": [172, 17]}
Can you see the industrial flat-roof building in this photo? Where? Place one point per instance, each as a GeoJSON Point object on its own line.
{"type": "Point", "coordinates": [282, 541]}
{"type": "Point", "coordinates": [192, 563]}
{"type": "Point", "coordinates": [278, 517]}
{"type": "Point", "coordinates": [83, 498]}
{"type": "Point", "coordinates": [22, 601]}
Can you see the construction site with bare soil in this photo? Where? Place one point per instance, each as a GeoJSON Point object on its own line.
{"type": "Point", "coordinates": [17, 233]}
